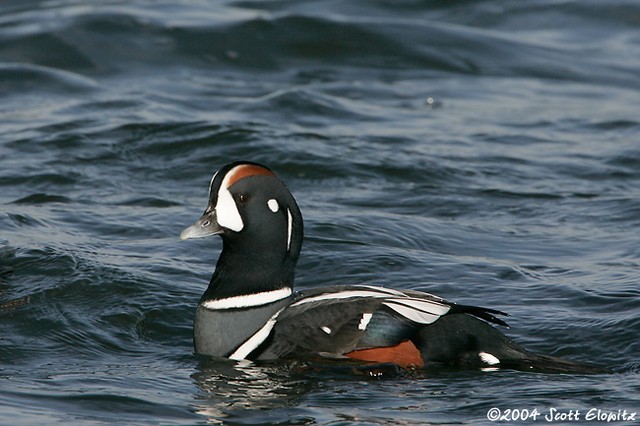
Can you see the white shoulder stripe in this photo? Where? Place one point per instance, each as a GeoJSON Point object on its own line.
{"type": "Point", "coordinates": [249, 300]}
{"type": "Point", "coordinates": [380, 293]}
{"type": "Point", "coordinates": [388, 291]}
{"type": "Point", "coordinates": [340, 295]}
{"type": "Point", "coordinates": [256, 340]}
{"type": "Point", "coordinates": [399, 293]}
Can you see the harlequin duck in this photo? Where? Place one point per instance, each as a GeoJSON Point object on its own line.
{"type": "Point", "coordinates": [250, 311]}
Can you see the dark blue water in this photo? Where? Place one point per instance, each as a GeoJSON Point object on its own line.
{"type": "Point", "coordinates": [485, 151]}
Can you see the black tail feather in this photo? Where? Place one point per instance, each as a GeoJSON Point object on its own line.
{"type": "Point", "coordinates": [550, 364]}
{"type": "Point", "coordinates": [486, 314]}
{"type": "Point", "coordinates": [469, 340]}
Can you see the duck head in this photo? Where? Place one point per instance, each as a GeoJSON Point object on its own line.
{"type": "Point", "coordinates": [261, 229]}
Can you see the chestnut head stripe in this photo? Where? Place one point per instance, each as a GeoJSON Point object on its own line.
{"type": "Point", "coordinates": [245, 170]}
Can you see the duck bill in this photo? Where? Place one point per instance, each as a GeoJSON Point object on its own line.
{"type": "Point", "coordinates": [203, 227]}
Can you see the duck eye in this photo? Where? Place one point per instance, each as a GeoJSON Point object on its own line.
{"type": "Point", "coordinates": [243, 198]}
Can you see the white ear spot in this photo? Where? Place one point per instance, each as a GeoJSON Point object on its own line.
{"type": "Point", "coordinates": [227, 211]}
{"type": "Point", "coordinates": [326, 329]}
{"type": "Point", "coordinates": [273, 205]}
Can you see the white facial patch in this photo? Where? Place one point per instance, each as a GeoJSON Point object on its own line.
{"type": "Point", "coordinates": [273, 205]}
{"type": "Point", "coordinates": [326, 329]}
{"type": "Point", "coordinates": [227, 211]}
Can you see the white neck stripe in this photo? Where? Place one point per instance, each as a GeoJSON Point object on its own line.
{"type": "Point", "coordinates": [249, 300]}
{"type": "Point", "coordinates": [289, 228]}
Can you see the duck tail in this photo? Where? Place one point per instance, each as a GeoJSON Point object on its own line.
{"type": "Point", "coordinates": [465, 338]}
{"type": "Point", "coordinates": [551, 364]}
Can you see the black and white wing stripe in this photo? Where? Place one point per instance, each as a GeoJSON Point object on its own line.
{"type": "Point", "coordinates": [421, 310]}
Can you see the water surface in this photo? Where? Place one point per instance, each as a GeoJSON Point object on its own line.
{"type": "Point", "coordinates": [486, 151]}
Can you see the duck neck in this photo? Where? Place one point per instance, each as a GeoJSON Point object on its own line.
{"type": "Point", "coordinates": [244, 271]}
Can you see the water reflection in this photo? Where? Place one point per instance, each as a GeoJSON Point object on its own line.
{"type": "Point", "coordinates": [229, 390]}
{"type": "Point", "coordinates": [227, 387]}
